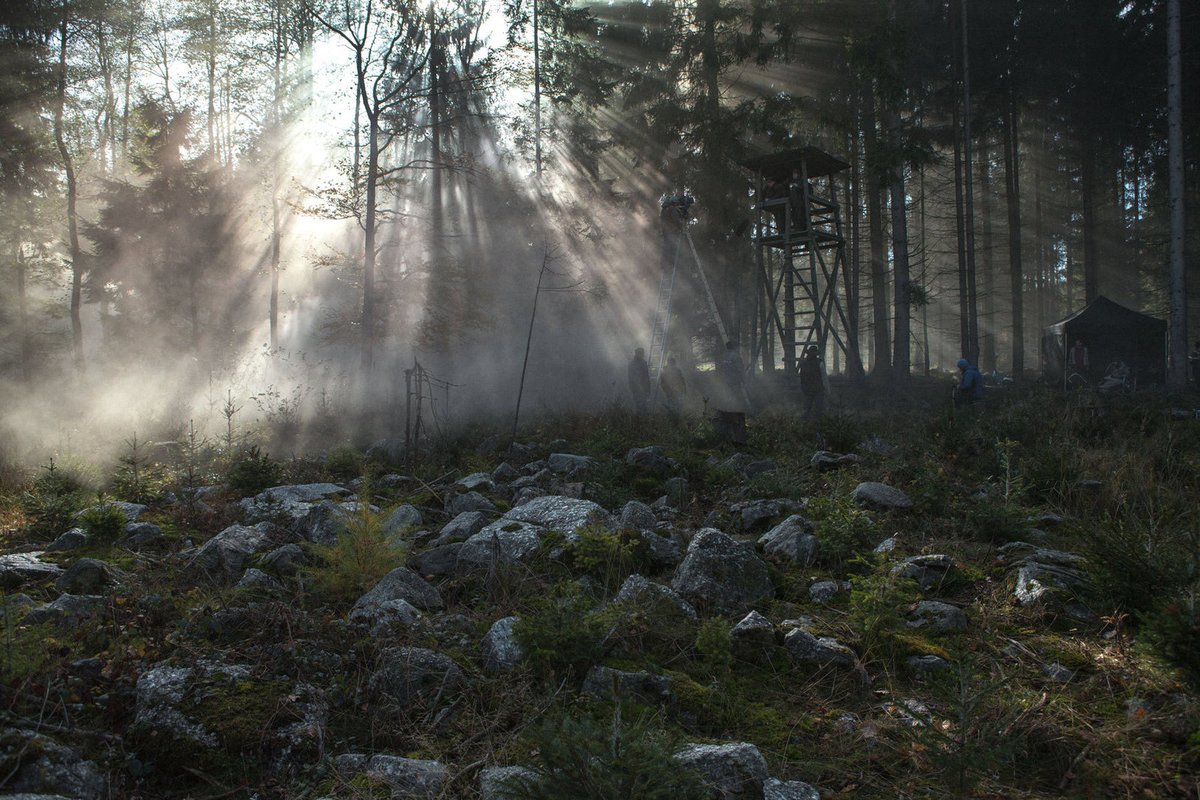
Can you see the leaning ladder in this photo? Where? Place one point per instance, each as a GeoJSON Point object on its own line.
{"type": "Point", "coordinates": [661, 325]}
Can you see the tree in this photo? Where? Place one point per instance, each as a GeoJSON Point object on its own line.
{"type": "Point", "coordinates": [159, 258]}
{"type": "Point", "coordinates": [390, 48]}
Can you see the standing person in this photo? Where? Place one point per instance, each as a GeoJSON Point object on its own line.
{"type": "Point", "coordinates": [970, 388]}
{"type": "Point", "coordinates": [639, 380]}
{"type": "Point", "coordinates": [1194, 364]}
{"type": "Point", "coordinates": [1077, 358]}
{"type": "Point", "coordinates": [814, 383]}
{"type": "Point", "coordinates": [673, 385]}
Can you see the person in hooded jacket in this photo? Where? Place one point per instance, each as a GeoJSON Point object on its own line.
{"type": "Point", "coordinates": [970, 386]}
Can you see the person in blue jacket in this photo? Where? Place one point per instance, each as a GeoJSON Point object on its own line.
{"type": "Point", "coordinates": [970, 389]}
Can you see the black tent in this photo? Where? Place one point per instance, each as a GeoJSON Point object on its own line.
{"type": "Point", "coordinates": [1111, 332]}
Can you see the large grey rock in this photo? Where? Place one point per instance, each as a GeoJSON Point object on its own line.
{"type": "Point", "coordinates": [880, 495]}
{"type": "Point", "coordinates": [652, 460]}
{"type": "Point", "coordinates": [565, 463]}
{"type": "Point", "coordinates": [753, 638]}
{"type": "Point", "coordinates": [821, 651]}
{"type": "Point", "coordinates": [160, 692]}
{"type": "Point", "coordinates": [438, 562]}
{"type": "Point", "coordinates": [461, 528]}
{"type": "Point", "coordinates": [499, 650]}
{"type": "Point", "coordinates": [823, 591]}
{"type": "Point", "coordinates": [638, 516]}
{"type": "Point", "coordinates": [402, 584]}
{"type": "Point", "coordinates": [286, 560]}
{"type": "Point", "coordinates": [775, 789]}
{"type": "Point", "coordinates": [477, 482]}
{"type": "Point", "coordinates": [925, 666]}
{"type": "Point", "coordinates": [1043, 574]}
{"type": "Point", "coordinates": [288, 502]}
{"type": "Point", "coordinates": [791, 540]}
{"type": "Point", "coordinates": [718, 575]}
{"type": "Point", "coordinates": [468, 501]}
{"type": "Point", "coordinates": [403, 517]}
{"type": "Point", "coordinates": [501, 542]}
{"type": "Point", "coordinates": [926, 570]}
{"type": "Point", "coordinates": [757, 514]}
{"type": "Point", "coordinates": [678, 491]}
{"type": "Point", "coordinates": [558, 513]}
{"type": "Point", "coordinates": [733, 771]}
{"type": "Point", "coordinates": [416, 676]}
{"type": "Point", "coordinates": [38, 766]}
{"type": "Point", "coordinates": [257, 580]}
{"type": "Point", "coordinates": [327, 520]}
{"type": "Point", "coordinates": [141, 534]}
{"type": "Point", "coordinates": [66, 610]}
{"type": "Point", "coordinates": [20, 568]}
{"type": "Point", "coordinates": [663, 550]}
{"type": "Point", "coordinates": [644, 688]}
{"type": "Point", "coordinates": [86, 576]}
{"type": "Point", "coordinates": [223, 557]}
{"type": "Point", "coordinates": [381, 616]}
{"type": "Point", "coordinates": [937, 616]}
{"type": "Point", "coordinates": [824, 461]}
{"type": "Point", "coordinates": [505, 473]}
{"type": "Point", "coordinates": [497, 783]}
{"type": "Point", "coordinates": [654, 598]}
{"type": "Point", "coordinates": [68, 540]}
{"type": "Point", "coordinates": [408, 778]}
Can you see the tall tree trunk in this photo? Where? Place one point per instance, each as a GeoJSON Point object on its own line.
{"type": "Point", "coordinates": [987, 273]}
{"type": "Point", "coordinates": [1087, 185]}
{"type": "Point", "coordinates": [1016, 277]}
{"type": "Point", "coordinates": [902, 346]}
{"type": "Point", "coordinates": [881, 339]}
{"type": "Point", "coordinates": [72, 194]}
{"type": "Point", "coordinates": [23, 316]}
{"type": "Point", "coordinates": [211, 69]}
{"type": "Point", "coordinates": [854, 278]}
{"type": "Point", "coordinates": [969, 196]}
{"type": "Point", "coordinates": [369, 223]}
{"type": "Point", "coordinates": [1177, 378]}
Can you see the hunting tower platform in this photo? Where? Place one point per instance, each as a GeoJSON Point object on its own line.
{"type": "Point", "coordinates": [800, 257]}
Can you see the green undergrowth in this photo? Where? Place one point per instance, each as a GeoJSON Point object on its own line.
{"type": "Point", "coordinates": [1121, 722]}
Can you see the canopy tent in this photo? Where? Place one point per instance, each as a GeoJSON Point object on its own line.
{"type": "Point", "coordinates": [1111, 332]}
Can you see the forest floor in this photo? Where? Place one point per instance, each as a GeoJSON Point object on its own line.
{"type": "Point", "coordinates": [1018, 620]}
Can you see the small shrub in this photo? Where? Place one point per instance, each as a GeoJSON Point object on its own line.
{"type": "Point", "coordinates": [253, 471]}
{"type": "Point", "coordinates": [357, 561]}
{"type": "Point", "coordinates": [561, 634]}
{"type": "Point", "coordinates": [842, 528]}
{"type": "Point", "coordinates": [103, 523]}
{"type": "Point", "coordinates": [996, 521]}
{"type": "Point", "coordinates": [842, 433]}
{"type": "Point", "coordinates": [50, 504]}
{"type": "Point", "coordinates": [584, 759]}
{"type": "Point", "coordinates": [877, 602]}
{"type": "Point", "coordinates": [344, 463]}
{"type": "Point", "coordinates": [610, 557]}
{"type": "Point", "coordinates": [714, 646]}
{"type": "Point", "coordinates": [1173, 632]}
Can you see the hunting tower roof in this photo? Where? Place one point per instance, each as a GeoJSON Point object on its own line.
{"type": "Point", "coordinates": [780, 165]}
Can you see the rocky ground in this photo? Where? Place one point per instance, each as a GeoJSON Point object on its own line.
{"type": "Point", "coordinates": [623, 607]}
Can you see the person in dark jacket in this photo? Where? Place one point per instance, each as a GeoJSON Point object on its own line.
{"type": "Point", "coordinates": [970, 387]}
{"type": "Point", "coordinates": [639, 380]}
{"type": "Point", "coordinates": [814, 384]}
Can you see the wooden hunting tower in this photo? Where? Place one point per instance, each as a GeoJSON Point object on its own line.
{"type": "Point", "coordinates": [800, 256]}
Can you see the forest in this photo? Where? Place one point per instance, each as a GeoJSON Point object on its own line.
{"type": "Point", "coordinates": [297, 202]}
{"type": "Point", "coordinates": [325, 470]}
